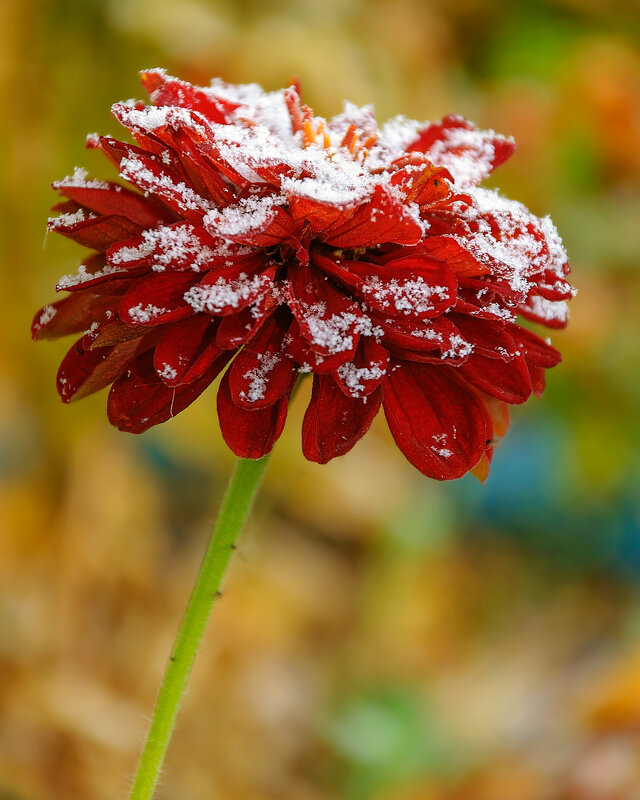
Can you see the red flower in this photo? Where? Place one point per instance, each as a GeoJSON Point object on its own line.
{"type": "Point", "coordinates": [260, 237]}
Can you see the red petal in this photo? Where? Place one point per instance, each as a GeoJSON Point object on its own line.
{"type": "Point", "coordinates": [84, 371]}
{"type": "Point", "coordinates": [538, 379]}
{"type": "Point", "coordinates": [536, 351]}
{"type": "Point", "coordinates": [454, 254]}
{"type": "Point", "coordinates": [507, 381]}
{"type": "Point", "coordinates": [489, 337]}
{"type": "Point", "coordinates": [414, 286]}
{"type": "Point", "coordinates": [436, 421]}
{"type": "Point", "coordinates": [73, 314]}
{"type": "Point", "coordinates": [378, 219]}
{"type": "Point", "coordinates": [263, 371]}
{"type": "Point", "coordinates": [145, 171]}
{"type": "Point", "coordinates": [360, 377]}
{"type": "Point", "coordinates": [98, 233]}
{"type": "Point", "coordinates": [334, 422]}
{"type": "Point", "coordinates": [110, 198]}
{"type": "Point", "coordinates": [469, 154]}
{"type": "Point", "coordinates": [329, 321]}
{"type": "Point", "coordinates": [158, 298]}
{"type": "Point", "coordinates": [250, 434]}
{"type": "Point", "coordinates": [421, 182]}
{"type": "Point", "coordinates": [236, 329]}
{"type": "Point", "coordinates": [553, 314]}
{"type": "Point", "coordinates": [223, 292]}
{"type": "Point", "coordinates": [175, 247]}
{"type": "Point", "coordinates": [185, 350]}
{"type": "Point", "coordinates": [139, 399]}
{"type": "Point", "coordinates": [256, 220]}
{"type": "Point", "coordinates": [167, 91]}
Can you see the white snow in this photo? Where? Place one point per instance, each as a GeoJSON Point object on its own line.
{"type": "Point", "coordinates": [225, 294]}
{"type": "Point", "coordinates": [145, 315]}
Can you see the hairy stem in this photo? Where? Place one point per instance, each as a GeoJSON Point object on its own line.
{"type": "Point", "coordinates": [235, 508]}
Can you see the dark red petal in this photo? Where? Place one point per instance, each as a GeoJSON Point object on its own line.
{"type": "Point", "coordinates": [437, 337]}
{"type": "Point", "coordinates": [507, 381]}
{"type": "Point", "coordinates": [96, 232]}
{"type": "Point", "coordinates": [415, 286]}
{"type": "Point", "coordinates": [110, 198]}
{"type": "Point", "coordinates": [436, 421]}
{"type": "Point", "coordinates": [489, 337]}
{"type": "Point", "coordinates": [72, 314]}
{"type": "Point", "coordinates": [309, 360]}
{"type": "Point", "coordinates": [185, 350]}
{"type": "Point", "coordinates": [236, 329]}
{"type": "Point", "coordinates": [139, 399]}
{"type": "Point", "coordinates": [360, 377]}
{"type": "Point", "coordinates": [538, 379]}
{"type": "Point", "coordinates": [257, 220]}
{"type": "Point", "coordinates": [334, 422]}
{"type": "Point", "coordinates": [330, 322]}
{"type": "Point", "coordinates": [149, 174]}
{"type": "Point", "coordinates": [158, 298]}
{"type": "Point", "coordinates": [228, 291]}
{"type": "Point", "coordinates": [536, 351]}
{"type": "Point", "coordinates": [84, 371]}
{"type": "Point", "coordinates": [250, 434]}
{"type": "Point", "coordinates": [263, 371]}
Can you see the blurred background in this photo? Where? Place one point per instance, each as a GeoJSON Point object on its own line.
{"type": "Point", "coordinates": [381, 636]}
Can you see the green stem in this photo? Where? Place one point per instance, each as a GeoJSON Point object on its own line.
{"type": "Point", "coordinates": [231, 519]}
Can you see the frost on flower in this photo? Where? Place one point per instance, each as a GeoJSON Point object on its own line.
{"type": "Point", "coordinates": [252, 238]}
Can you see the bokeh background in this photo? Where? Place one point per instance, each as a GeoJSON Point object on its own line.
{"type": "Point", "coordinates": [381, 636]}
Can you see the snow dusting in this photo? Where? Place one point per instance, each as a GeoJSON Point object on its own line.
{"type": "Point", "coordinates": [223, 294]}
{"type": "Point", "coordinates": [143, 316]}
{"type": "Point", "coordinates": [353, 377]}
{"type": "Point", "coordinates": [258, 377]}
{"type": "Point", "coordinates": [408, 297]}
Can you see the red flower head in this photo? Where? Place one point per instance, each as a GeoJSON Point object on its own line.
{"type": "Point", "coordinates": [260, 238]}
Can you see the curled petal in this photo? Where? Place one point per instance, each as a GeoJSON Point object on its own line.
{"type": "Point", "coordinates": [250, 434]}
{"type": "Point", "coordinates": [552, 313]}
{"type": "Point", "coordinates": [95, 231]}
{"type": "Point", "coordinates": [156, 299]}
{"type": "Point", "coordinates": [185, 350]}
{"type": "Point", "coordinates": [84, 371]}
{"type": "Point", "coordinates": [470, 155]}
{"type": "Point", "coordinates": [167, 91]}
{"type": "Point", "coordinates": [437, 422]}
{"type": "Point", "coordinates": [179, 246]}
{"type": "Point", "coordinates": [537, 351]}
{"type": "Point", "coordinates": [334, 421]}
{"type": "Point", "coordinates": [139, 399]}
{"type": "Point", "coordinates": [507, 381]}
{"type": "Point", "coordinates": [360, 377]}
{"type": "Point", "coordinates": [377, 219]}
{"type": "Point", "coordinates": [330, 322]}
{"type": "Point", "coordinates": [72, 314]}
{"type": "Point", "coordinates": [263, 371]}
{"type": "Point", "coordinates": [107, 198]}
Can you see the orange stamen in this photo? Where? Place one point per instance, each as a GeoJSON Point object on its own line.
{"type": "Point", "coordinates": [350, 138]}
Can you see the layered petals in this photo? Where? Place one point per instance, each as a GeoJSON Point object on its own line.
{"type": "Point", "coordinates": [252, 237]}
